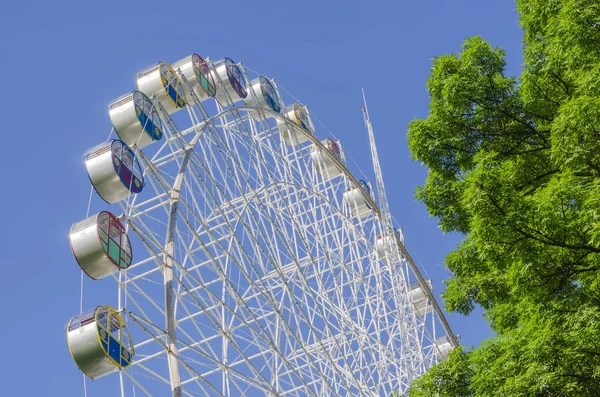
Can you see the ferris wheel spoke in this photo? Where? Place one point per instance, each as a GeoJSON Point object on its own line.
{"type": "Point", "coordinates": [137, 383]}
{"type": "Point", "coordinates": [247, 362]}
{"type": "Point", "coordinates": [327, 319]}
{"type": "Point", "coordinates": [194, 376]}
{"type": "Point", "coordinates": [175, 138]}
{"type": "Point", "coordinates": [234, 290]}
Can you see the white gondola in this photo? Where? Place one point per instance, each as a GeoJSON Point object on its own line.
{"type": "Point", "coordinates": [357, 202]}
{"type": "Point", "coordinates": [197, 72]}
{"type": "Point", "coordinates": [444, 347]}
{"type": "Point", "coordinates": [135, 119]}
{"type": "Point", "coordinates": [291, 134]}
{"type": "Point", "coordinates": [233, 86]}
{"type": "Point", "coordinates": [266, 97]}
{"type": "Point", "coordinates": [386, 244]}
{"type": "Point", "coordinates": [99, 342]}
{"type": "Point", "coordinates": [419, 299]}
{"type": "Point", "coordinates": [100, 245]}
{"type": "Point", "coordinates": [161, 81]}
{"type": "Point", "coordinates": [323, 159]}
{"type": "Point", "coordinates": [114, 171]}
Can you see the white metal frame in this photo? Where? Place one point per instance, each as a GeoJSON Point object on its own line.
{"type": "Point", "coordinates": [250, 275]}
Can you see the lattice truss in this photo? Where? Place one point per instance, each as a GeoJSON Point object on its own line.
{"type": "Point", "coordinates": [275, 288]}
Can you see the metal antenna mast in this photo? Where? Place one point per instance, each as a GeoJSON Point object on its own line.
{"type": "Point", "coordinates": [386, 219]}
{"type": "Point", "coordinates": [383, 204]}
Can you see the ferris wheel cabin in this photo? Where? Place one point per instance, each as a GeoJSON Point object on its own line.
{"type": "Point", "coordinates": [291, 134]}
{"type": "Point", "coordinates": [100, 245]}
{"type": "Point", "coordinates": [197, 72]}
{"type": "Point", "coordinates": [233, 86]}
{"type": "Point", "coordinates": [266, 97]}
{"type": "Point", "coordinates": [444, 346]}
{"type": "Point", "coordinates": [356, 201]}
{"type": "Point", "coordinates": [114, 171]}
{"type": "Point", "coordinates": [135, 119]}
{"type": "Point", "coordinates": [419, 299]}
{"type": "Point", "coordinates": [161, 81]}
{"type": "Point", "coordinates": [99, 342]}
{"type": "Point", "coordinates": [386, 244]}
{"type": "Point", "coordinates": [324, 159]}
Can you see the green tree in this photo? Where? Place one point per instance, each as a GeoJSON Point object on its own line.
{"type": "Point", "coordinates": [514, 165]}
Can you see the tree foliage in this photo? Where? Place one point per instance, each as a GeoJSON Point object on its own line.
{"type": "Point", "coordinates": [514, 165]}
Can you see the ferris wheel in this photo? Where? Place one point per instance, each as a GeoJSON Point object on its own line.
{"type": "Point", "coordinates": [247, 258]}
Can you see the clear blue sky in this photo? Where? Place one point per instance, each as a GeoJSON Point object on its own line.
{"type": "Point", "coordinates": [63, 63]}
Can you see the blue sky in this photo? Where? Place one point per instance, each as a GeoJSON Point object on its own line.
{"type": "Point", "coordinates": [63, 64]}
